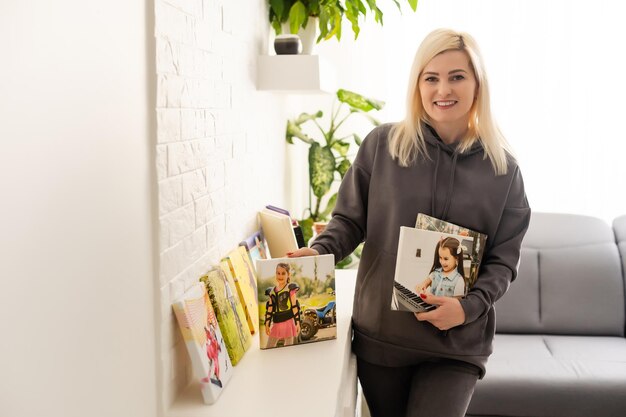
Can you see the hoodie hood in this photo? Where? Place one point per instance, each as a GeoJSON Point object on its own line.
{"type": "Point", "coordinates": [434, 141]}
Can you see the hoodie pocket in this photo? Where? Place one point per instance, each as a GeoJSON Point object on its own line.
{"type": "Point", "coordinates": [370, 296]}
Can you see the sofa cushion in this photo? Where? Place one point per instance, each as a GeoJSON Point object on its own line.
{"type": "Point", "coordinates": [553, 376]}
{"type": "Point", "coordinates": [569, 281]}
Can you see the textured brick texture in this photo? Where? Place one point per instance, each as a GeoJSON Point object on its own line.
{"type": "Point", "coordinates": [220, 152]}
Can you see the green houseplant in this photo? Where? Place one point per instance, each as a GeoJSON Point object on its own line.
{"type": "Point", "coordinates": [330, 14]}
{"type": "Point", "coordinates": [328, 157]}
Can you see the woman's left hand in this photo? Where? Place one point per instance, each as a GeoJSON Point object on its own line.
{"type": "Point", "coordinates": [448, 314]}
{"type": "Point", "coordinates": [297, 328]}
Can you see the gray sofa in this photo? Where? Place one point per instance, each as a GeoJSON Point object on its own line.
{"type": "Point", "coordinates": [560, 349]}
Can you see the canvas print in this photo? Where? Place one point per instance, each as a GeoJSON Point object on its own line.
{"type": "Point", "coordinates": [229, 311]}
{"type": "Point", "coordinates": [246, 287]}
{"type": "Point", "coordinates": [297, 302]}
{"type": "Point", "coordinates": [430, 262]}
{"type": "Point", "coordinates": [256, 246]}
{"type": "Point", "coordinates": [204, 342]}
{"type": "Point", "coordinates": [426, 222]}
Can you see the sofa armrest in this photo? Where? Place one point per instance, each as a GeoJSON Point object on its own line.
{"type": "Point", "coordinates": [619, 228]}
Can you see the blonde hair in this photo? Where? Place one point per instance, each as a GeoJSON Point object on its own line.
{"type": "Point", "coordinates": [407, 136]}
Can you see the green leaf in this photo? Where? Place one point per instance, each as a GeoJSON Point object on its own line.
{"type": "Point", "coordinates": [352, 13]}
{"type": "Point", "coordinates": [398, 4]}
{"type": "Point", "coordinates": [330, 206]}
{"type": "Point", "coordinates": [378, 14]}
{"type": "Point", "coordinates": [343, 167]}
{"type": "Point", "coordinates": [344, 262]}
{"type": "Point", "coordinates": [307, 228]}
{"type": "Point", "coordinates": [321, 169]}
{"type": "Point", "coordinates": [277, 7]}
{"type": "Point", "coordinates": [304, 117]}
{"type": "Point", "coordinates": [361, 7]}
{"type": "Point", "coordinates": [324, 19]}
{"type": "Point", "coordinates": [294, 130]}
{"type": "Point", "coordinates": [297, 16]}
{"type": "Point", "coordinates": [359, 102]}
{"type": "Point", "coordinates": [357, 139]}
{"type": "Point", "coordinates": [277, 26]}
{"type": "Point", "coordinates": [358, 251]}
{"type": "Point", "coordinates": [341, 147]}
{"type": "Point", "coordinates": [413, 4]}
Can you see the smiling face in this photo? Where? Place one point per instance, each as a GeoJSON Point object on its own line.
{"type": "Point", "coordinates": [448, 87]}
{"type": "Point", "coordinates": [282, 277]}
{"type": "Point", "coordinates": [447, 260]}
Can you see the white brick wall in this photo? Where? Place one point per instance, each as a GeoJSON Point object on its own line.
{"type": "Point", "coordinates": [220, 152]}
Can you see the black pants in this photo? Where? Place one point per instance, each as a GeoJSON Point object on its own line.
{"type": "Point", "coordinates": [430, 389]}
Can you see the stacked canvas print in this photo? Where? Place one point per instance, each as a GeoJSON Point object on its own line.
{"type": "Point", "coordinates": [297, 302]}
{"type": "Point", "coordinates": [255, 247]}
{"type": "Point", "coordinates": [203, 339]}
{"type": "Point", "coordinates": [435, 257]}
{"type": "Point", "coordinates": [228, 310]}
{"type": "Point", "coordinates": [245, 283]}
{"type": "Point", "coordinates": [287, 301]}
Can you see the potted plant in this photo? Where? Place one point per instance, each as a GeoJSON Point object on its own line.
{"type": "Point", "coordinates": [329, 14]}
{"type": "Point", "coordinates": [328, 157]}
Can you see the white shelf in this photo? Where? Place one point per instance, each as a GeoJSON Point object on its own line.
{"type": "Point", "coordinates": [295, 74]}
{"type": "Point", "coordinates": [311, 380]}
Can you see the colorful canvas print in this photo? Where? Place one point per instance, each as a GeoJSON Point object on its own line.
{"type": "Point", "coordinates": [297, 302]}
{"type": "Point", "coordinates": [251, 270]}
{"type": "Point", "coordinates": [202, 336]}
{"type": "Point", "coordinates": [246, 287]}
{"type": "Point", "coordinates": [430, 262]}
{"type": "Point", "coordinates": [426, 222]}
{"type": "Point", "coordinates": [229, 311]}
{"type": "Point", "coordinates": [256, 246]}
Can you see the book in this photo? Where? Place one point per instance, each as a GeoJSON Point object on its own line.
{"type": "Point", "coordinates": [426, 222]}
{"type": "Point", "coordinates": [278, 230]}
{"type": "Point", "coordinates": [255, 246]}
{"type": "Point", "coordinates": [297, 229]}
{"type": "Point", "coordinates": [245, 283]}
{"type": "Point", "coordinates": [430, 262]}
{"type": "Point", "coordinates": [228, 310]}
{"type": "Point", "coordinates": [291, 286]}
{"type": "Point", "coordinates": [202, 336]}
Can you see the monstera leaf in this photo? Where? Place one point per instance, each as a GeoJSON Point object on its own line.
{"type": "Point", "coordinates": [321, 169]}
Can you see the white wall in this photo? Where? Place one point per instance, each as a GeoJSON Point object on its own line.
{"type": "Point", "coordinates": [556, 92]}
{"type": "Point", "coordinates": [76, 209]}
{"type": "Point", "coordinates": [221, 152]}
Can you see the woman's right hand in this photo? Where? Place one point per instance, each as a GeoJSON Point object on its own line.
{"type": "Point", "coordinates": [267, 330]}
{"type": "Point", "coordinates": [302, 252]}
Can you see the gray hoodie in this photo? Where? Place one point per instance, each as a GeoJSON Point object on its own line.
{"type": "Point", "coordinates": [377, 196]}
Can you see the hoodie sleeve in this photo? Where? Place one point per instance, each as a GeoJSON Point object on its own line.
{"type": "Point", "coordinates": [347, 227]}
{"type": "Point", "coordinates": [499, 267]}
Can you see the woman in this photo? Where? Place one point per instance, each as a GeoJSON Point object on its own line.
{"type": "Point", "coordinates": [446, 159]}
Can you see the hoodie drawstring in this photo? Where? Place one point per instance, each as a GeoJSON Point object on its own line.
{"type": "Point", "coordinates": [446, 207]}
{"type": "Point", "coordinates": [433, 188]}
{"type": "Point", "coordinates": [448, 202]}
